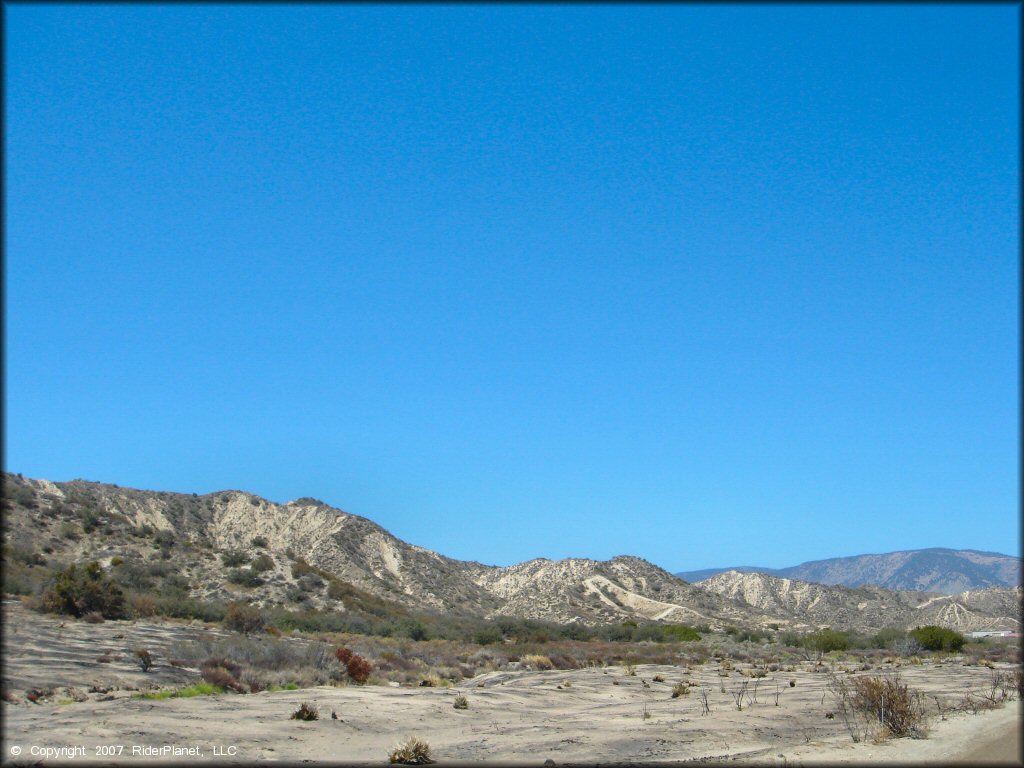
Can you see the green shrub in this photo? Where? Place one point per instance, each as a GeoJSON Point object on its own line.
{"type": "Point", "coordinates": [262, 563]}
{"type": "Point", "coordinates": [487, 636]}
{"type": "Point", "coordinates": [90, 520]}
{"type": "Point", "coordinates": [81, 590]}
{"type": "Point", "coordinates": [789, 638]}
{"type": "Point", "coordinates": [260, 541]}
{"type": "Point", "coordinates": [245, 577]}
{"type": "Point", "coordinates": [679, 633]}
{"type": "Point", "coordinates": [826, 640]}
{"type": "Point", "coordinates": [889, 637]}
{"type": "Point", "coordinates": [933, 638]}
{"type": "Point", "coordinates": [414, 630]}
{"type": "Point", "coordinates": [233, 558]}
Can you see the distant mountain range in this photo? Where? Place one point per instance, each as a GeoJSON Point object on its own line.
{"type": "Point", "coordinates": [312, 555]}
{"type": "Point", "coordinates": [948, 571]}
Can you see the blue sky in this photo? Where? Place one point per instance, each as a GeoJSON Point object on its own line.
{"type": "Point", "coordinates": [710, 285]}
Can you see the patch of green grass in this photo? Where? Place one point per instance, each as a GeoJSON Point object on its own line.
{"type": "Point", "coordinates": [285, 687]}
{"type": "Point", "coordinates": [199, 689]}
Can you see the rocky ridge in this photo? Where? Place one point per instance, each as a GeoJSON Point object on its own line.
{"type": "Point", "coordinates": [310, 545]}
{"type": "Point", "coordinates": [869, 606]}
{"type": "Point", "coordinates": [949, 571]}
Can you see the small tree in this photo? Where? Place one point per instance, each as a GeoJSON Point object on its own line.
{"type": "Point", "coordinates": [934, 638]}
{"type": "Point", "coordinates": [826, 640]}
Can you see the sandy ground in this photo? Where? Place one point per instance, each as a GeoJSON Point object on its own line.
{"type": "Point", "coordinates": [584, 716]}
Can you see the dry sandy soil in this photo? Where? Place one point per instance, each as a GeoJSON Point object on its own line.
{"type": "Point", "coordinates": [583, 716]}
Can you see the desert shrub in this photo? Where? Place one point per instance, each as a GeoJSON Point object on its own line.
{"type": "Point", "coordinates": [680, 689]}
{"type": "Point", "coordinates": [90, 520]}
{"type": "Point", "coordinates": [20, 580]}
{"type": "Point", "coordinates": [233, 558]}
{"type": "Point", "coordinates": [140, 575]}
{"type": "Point", "coordinates": [22, 494]}
{"type": "Point", "coordinates": [116, 561]}
{"type": "Point", "coordinates": [310, 582]}
{"type": "Point", "coordinates": [262, 563]}
{"type": "Point", "coordinates": [362, 602]}
{"type": "Point", "coordinates": [413, 629]}
{"type": "Point", "coordinates": [306, 712]}
{"type": "Point", "coordinates": [260, 541]}
{"type": "Point", "coordinates": [254, 681]}
{"type": "Point", "coordinates": [679, 633]}
{"type": "Point", "coordinates": [300, 568]}
{"type": "Point", "coordinates": [414, 751]}
{"type": "Point", "coordinates": [562, 661]}
{"type": "Point", "coordinates": [359, 669]}
{"type": "Point", "coordinates": [748, 636]}
{"type": "Point", "coordinates": [243, 618]}
{"type": "Point", "coordinates": [80, 590]}
{"type": "Point", "coordinates": [826, 640]}
{"type": "Point", "coordinates": [142, 605]}
{"type": "Point", "coordinates": [933, 638]}
{"type": "Point", "coordinates": [24, 555]}
{"type": "Point", "coordinates": [888, 637]}
{"type": "Point", "coordinates": [222, 678]}
{"type": "Point", "coordinates": [537, 661]}
{"type": "Point", "coordinates": [356, 666]}
{"type": "Point", "coordinates": [487, 636]}
{"type": "Point", "coordinates": [460, 703]}
{"type": "Point", "coordinates": [233, 668]}
{"type": "Point", "coordinates": [144, 659]}
{"type": "Point", "coordinates": [889, 701]}
{"type": "Point", "coordinates": [93, 617]}
{"type": "Point", "coordinates": [164, 539]}
{"type": "Point", "coordinates": [181, 607]}
{"type": "Point", "coordinates": [245, 577]}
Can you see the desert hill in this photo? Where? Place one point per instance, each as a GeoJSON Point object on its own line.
{"type": "Point", "coordinates": [949, 571]}
{"type": "Point", "coordinates": [235, 546]}
{"type": "Point", "coordinates": [869, 606]}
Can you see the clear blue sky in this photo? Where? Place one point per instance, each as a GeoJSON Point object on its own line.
{"type": "Point", "coordinates": [706, 285]}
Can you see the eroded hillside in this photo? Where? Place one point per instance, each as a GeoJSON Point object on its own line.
{"type": "Point", "coordinates": [235, 546]}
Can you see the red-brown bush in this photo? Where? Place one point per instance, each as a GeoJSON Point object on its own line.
{"type": "Point", "coordinates": [359, 669]}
